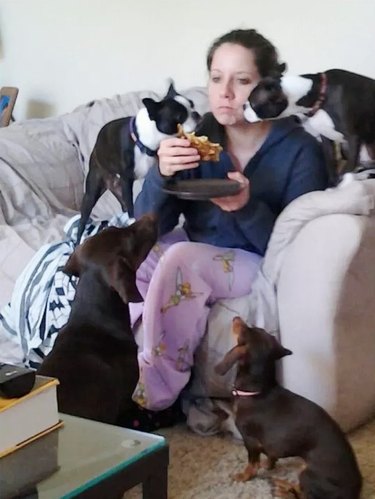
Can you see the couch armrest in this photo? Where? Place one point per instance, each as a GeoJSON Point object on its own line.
{"type": "Point", "coordinates": [326, 306]}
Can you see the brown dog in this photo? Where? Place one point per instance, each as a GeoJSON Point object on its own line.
{"type": "Point", "coordinates": [95, 354]}
{"type": "Point", "coordinates": [280, 423]}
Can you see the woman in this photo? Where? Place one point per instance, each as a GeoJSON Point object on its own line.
{"type": "Point", "coordinates": [218, 253]}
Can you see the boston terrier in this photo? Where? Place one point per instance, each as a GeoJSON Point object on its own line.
{"type": "Point", "coordinates": [126, 148]}
{"type": "Point", "coordinates": [340, 105]}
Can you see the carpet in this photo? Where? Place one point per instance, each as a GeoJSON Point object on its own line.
{"type": "Point", "coordinates": [201, 467]}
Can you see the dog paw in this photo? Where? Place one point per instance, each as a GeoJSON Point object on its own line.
{"type": "Point", "coordinates": [283, 489]}
{"type": "Point", "coordinates": [241, 477]}
{"type": "Point", "coordinates": [245, 476]}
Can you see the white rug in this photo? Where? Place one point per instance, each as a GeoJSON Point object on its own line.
{"type": "Point", "coordinates": [201, 467]}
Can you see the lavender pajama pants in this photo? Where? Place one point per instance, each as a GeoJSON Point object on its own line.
{"type": "Point", "coordinates": [179, 281]}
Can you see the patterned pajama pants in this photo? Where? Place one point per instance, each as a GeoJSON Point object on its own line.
{"type": "Point", "coordinates": [179, 280]}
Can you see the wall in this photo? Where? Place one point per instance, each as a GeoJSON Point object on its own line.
{"type": "Point", "coordinates": [62, 53]}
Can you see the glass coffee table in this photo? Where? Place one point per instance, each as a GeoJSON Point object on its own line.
{"type": "Point", "coordinates": [87, 459]}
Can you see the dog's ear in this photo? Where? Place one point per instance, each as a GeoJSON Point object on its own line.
{"type": "Point", "coordinates": [282, 67]}
{"type": "Point", "coordinates": [152, 107]}
{"type": "Point", "coordinates": [277, 71]}
{"type": "Point", "coordinates": [171, 94]}
{"type": "Point", "coordinates": [121, 277]}
{"type": "Point", "coordinates": [230, 359]}
{"type": "Point", "coordinates": [72, 266]}
{"type": "Point", "coordinates": [279, 351]}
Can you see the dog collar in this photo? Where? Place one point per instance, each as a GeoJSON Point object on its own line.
{"type": "Point", "coordinates": [241, 393]}
{"type": "Point", "coordinates": [322, 95]}
{"type": "Point", "coordinates": [134, 135]}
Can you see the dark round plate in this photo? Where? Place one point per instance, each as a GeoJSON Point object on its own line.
{"type": "Point", "coordinates": [201, 189]}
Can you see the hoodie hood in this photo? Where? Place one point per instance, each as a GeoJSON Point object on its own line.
{"type": "Point", "coordinates": [279, 130]}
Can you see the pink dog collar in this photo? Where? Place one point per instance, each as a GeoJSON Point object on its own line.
{"type": "Point", "coordinates": [322, 95]}
{"type": "Point", "coordinates": [241, 393]}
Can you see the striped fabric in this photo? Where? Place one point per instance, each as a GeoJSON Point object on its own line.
{"type": "Point", "coordinates": [42, 297]}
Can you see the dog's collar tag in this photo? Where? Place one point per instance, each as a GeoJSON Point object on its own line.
{"type": "Point", "coordinates": [134, 135]}
{"type": "Point", "coordinates": [241, 393]}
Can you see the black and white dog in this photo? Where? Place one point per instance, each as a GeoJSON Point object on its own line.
{"type": "Point", "coordinates": [340, 105]}
{"type": "Point", "coordinates": [125, 149]}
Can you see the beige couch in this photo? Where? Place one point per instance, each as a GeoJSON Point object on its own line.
{"type": "Point", "coordinates": [316, 288]}
{"type": "Point", "coordinates": [326, 298]}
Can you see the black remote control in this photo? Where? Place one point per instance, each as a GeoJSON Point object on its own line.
{"type": "Point", "coordinates": [15, 381]}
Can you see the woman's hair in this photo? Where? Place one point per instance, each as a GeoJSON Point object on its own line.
{"type": "Point", "coordinates": [265, 53]}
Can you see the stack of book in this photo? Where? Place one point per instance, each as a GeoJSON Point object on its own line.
{"type": "Point", "coordinates": [26, 426]}
{"type": "Point", "coordinates": [29, 417]}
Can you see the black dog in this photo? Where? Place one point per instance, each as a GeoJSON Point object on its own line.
{"type": "Point", "coordinates": [345, 101]}
{"type": "Point", "coordinates": [95, 354]}
{"type": "Point", "coordinates": [126, 148]}
{"type": "Point", "coordinates": [280, 423]}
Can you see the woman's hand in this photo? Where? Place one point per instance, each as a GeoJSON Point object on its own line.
{"type": "Point", "coordinates": [238, 201]}
{"type": "Point", "coordinates": [175, 155]}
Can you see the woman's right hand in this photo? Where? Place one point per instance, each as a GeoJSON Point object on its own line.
{"type": "Point", "coordinates": [175, 155]}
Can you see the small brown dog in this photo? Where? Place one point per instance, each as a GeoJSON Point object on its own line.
{"type": "Point", "coordinates": [95, 354]}
{"type": "Point", "coordinates": [280, 423]}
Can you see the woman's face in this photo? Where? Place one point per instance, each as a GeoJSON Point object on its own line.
{"type": "Point", "coordinates": [233, 75]}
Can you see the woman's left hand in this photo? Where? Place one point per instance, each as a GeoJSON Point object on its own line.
{"type": "Point", "coordinates": [238, 201]}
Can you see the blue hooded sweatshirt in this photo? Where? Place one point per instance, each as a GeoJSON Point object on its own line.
{"type": "Point", "coordinates": [289, 163]}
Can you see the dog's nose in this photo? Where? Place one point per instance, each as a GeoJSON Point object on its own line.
{"type": "Point", "coordinates": [249, 113]}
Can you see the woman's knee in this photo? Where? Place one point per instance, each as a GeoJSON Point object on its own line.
{"type": "Point", "coordinates": [181, 253]}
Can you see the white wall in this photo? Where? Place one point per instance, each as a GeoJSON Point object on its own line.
{"type": "Point", "coordinates": [62, 53]}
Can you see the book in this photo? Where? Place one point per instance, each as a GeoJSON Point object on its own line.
{"type": "Point", "coordinates": [24, 419]}
{"type": "Point", "coordinates": [18, 478]}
